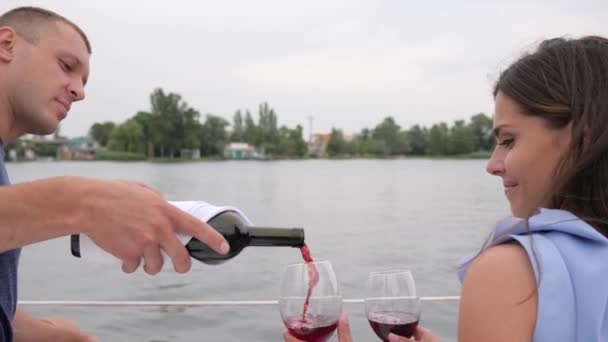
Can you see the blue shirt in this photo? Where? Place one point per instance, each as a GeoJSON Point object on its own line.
{"type": "Point", "coordinates": [8, 274]}
{"type": "Point", "coordinates": [570, 261]}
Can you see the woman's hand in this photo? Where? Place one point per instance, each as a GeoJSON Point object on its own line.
{"type": "Point", "coordinates": [421, 335]}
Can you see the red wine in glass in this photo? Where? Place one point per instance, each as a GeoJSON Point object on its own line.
{"type": "Point", "coordinates": [313, 329]}
{"type": "Point", "coordinates": [316, 320]}
{"type": "Point", "coordinates": [396, 322]}
{"type": "Point", "coordinates": [313, 278]}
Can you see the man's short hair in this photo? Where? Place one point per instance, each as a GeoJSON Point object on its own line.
{"type": "Point", "coordinates": [28, 22]}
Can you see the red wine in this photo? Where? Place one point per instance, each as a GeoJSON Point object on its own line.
{"type": "Point", "coordinates": [238, 234]}
{"type": "Point", "coordinates": [313, 329]}
{"type": "Point", "coordinates": [313, 278]}
{"type": "Point", "coordinates": [306, 254]}
{"type": "Point", "coordinates": [396, 322]}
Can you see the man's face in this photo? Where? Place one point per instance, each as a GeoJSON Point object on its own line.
{"type": "Point", "coordinates": [46, 78]}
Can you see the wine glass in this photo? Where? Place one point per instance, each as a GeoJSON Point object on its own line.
{"type": "Point", "coordinates": [310, 300]}
{"type": "Point", "coordinates": [391, 304]}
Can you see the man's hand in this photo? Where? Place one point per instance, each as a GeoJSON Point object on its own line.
{"type": "Point", "coordinates": [127, 219]}
{"type": "Point", "coordinates": [131, 221]}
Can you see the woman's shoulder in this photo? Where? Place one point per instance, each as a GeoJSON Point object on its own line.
{"type": "Point", "coordinates": [500, 265]}
{"type": "Point", "coordinates": [499, 293]}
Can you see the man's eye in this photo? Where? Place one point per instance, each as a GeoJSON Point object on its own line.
{"type": "Point", "coordinates": [66, 66]}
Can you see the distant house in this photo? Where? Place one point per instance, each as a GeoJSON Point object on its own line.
{"type": "Point", "coordinates": [81, 148]}
{"type": "Point", "coordinates": [38, 146]}
{"type": "Point", "coordinates": [318, 145]}
{"type": "Point", "coordinates": [239, 151]}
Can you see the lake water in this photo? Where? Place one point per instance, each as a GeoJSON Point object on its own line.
{"type": "Point", "coordinates": [362, 215]}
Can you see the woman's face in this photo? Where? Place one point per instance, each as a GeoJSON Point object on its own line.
{"type": "Point", "coordinates": [526, 156]}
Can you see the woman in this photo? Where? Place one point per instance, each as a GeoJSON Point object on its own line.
{"type": "Point", "coordinates": [543, 274]}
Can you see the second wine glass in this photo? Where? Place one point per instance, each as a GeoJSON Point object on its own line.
{"type": "Point", "coordinates": [391, 304]}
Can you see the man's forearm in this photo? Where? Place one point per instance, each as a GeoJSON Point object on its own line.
{"type": "Point", "coordinates": [27, 328]}
{"type": "Point", "coordinates": [36, 211]}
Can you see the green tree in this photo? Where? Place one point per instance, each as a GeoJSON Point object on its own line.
{"type": "Point", "coordinates": [188, 129]}
{"type": "Point", "coordinates": [337, 144]}
{"type": "Point", "coordinates": [362, 142]}
{"type": "Point", "coordinates": [388, 131]}
{"type": "Point", "coordinates": [481, 125]}
{"type": "Point", "coordinates": [175, 122]}
{"type": "Point", "coordinates": [250, 129]}
{"type": "Point", "coordinates": [152, 135]}
{"type": "Point", "coordinates": [285, 147]}
{"type": "Point", "coordinates": [291, 143]}
{"type": "Point", "coordinates": [378, 148]}
{"type": "Point", "coordinates": [300, 147]}
{"type": "Point", "coordinates": [418, 138]}
{"type": "Point", "coordinates": [404, 146]}
{"type": "Point", "coordinates": [164, 108]}
{"type": "Point", "coordinates": [128, 137]}
{"type": "Point", "coordinates": [462, 138]}
{"type": "Point", "coordinates": [238, 129]}
{"type": "Point", "coordinates": [267, 133]}
{"type": "Point", "coordinates": [213, 136]}
{"type": "Point", "coordinates": [101, 132]}
{"type": "Point", "coordinates": [44, 150]}
{"type": "Point", "coordinates": [439, 139]}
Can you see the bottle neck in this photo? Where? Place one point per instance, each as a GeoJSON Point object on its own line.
{"type": "Point", "coordinates": [287, 237]}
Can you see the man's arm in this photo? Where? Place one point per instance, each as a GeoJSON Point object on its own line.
{"type": "Point", "coordinates": [36, 211]}
{"type": "Point", "coordinates": [127, 219]}
{"type": "Point", "coordinates": [26, 328]}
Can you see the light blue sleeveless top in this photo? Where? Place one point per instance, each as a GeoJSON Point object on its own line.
{"type": "Point", "coordinates": [570, 260]}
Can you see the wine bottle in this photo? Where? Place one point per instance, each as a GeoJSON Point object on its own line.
{"type": "Point", "coordinates": [229, 221]}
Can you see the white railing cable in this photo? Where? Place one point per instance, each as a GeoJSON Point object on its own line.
{"type": "Point", "coordinates": [193, 303]}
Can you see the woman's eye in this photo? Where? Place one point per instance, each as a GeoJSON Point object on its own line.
{"type": "Point", "coordinates": [506, 142]}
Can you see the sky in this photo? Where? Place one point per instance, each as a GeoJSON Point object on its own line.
{"type": "Point", "coordinates": [347, 64]}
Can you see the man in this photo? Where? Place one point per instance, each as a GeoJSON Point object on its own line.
{"type": "Point", "coordinates": [44, 66]}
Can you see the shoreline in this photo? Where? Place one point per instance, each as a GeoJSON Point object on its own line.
{"type": "Point", "coordinates": [218, 159]}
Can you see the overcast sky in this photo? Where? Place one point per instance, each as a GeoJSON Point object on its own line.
{"type": "Point", "coordinates": [348, 63]}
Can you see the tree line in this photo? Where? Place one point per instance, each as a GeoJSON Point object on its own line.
{"type": "Point", "coordinates": [171, 126]}
{"type": "Point", "coordinates": [389, 139]}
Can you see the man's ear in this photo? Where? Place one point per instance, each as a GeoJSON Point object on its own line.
{"type": "Point", "coordinates": [8, 36]}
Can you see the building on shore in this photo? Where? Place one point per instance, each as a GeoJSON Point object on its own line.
{"type": "Point", "coordinates": [80, 148]}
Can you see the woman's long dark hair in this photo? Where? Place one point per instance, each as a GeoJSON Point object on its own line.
{"type": "Point", "coordinates": [565, 81]}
